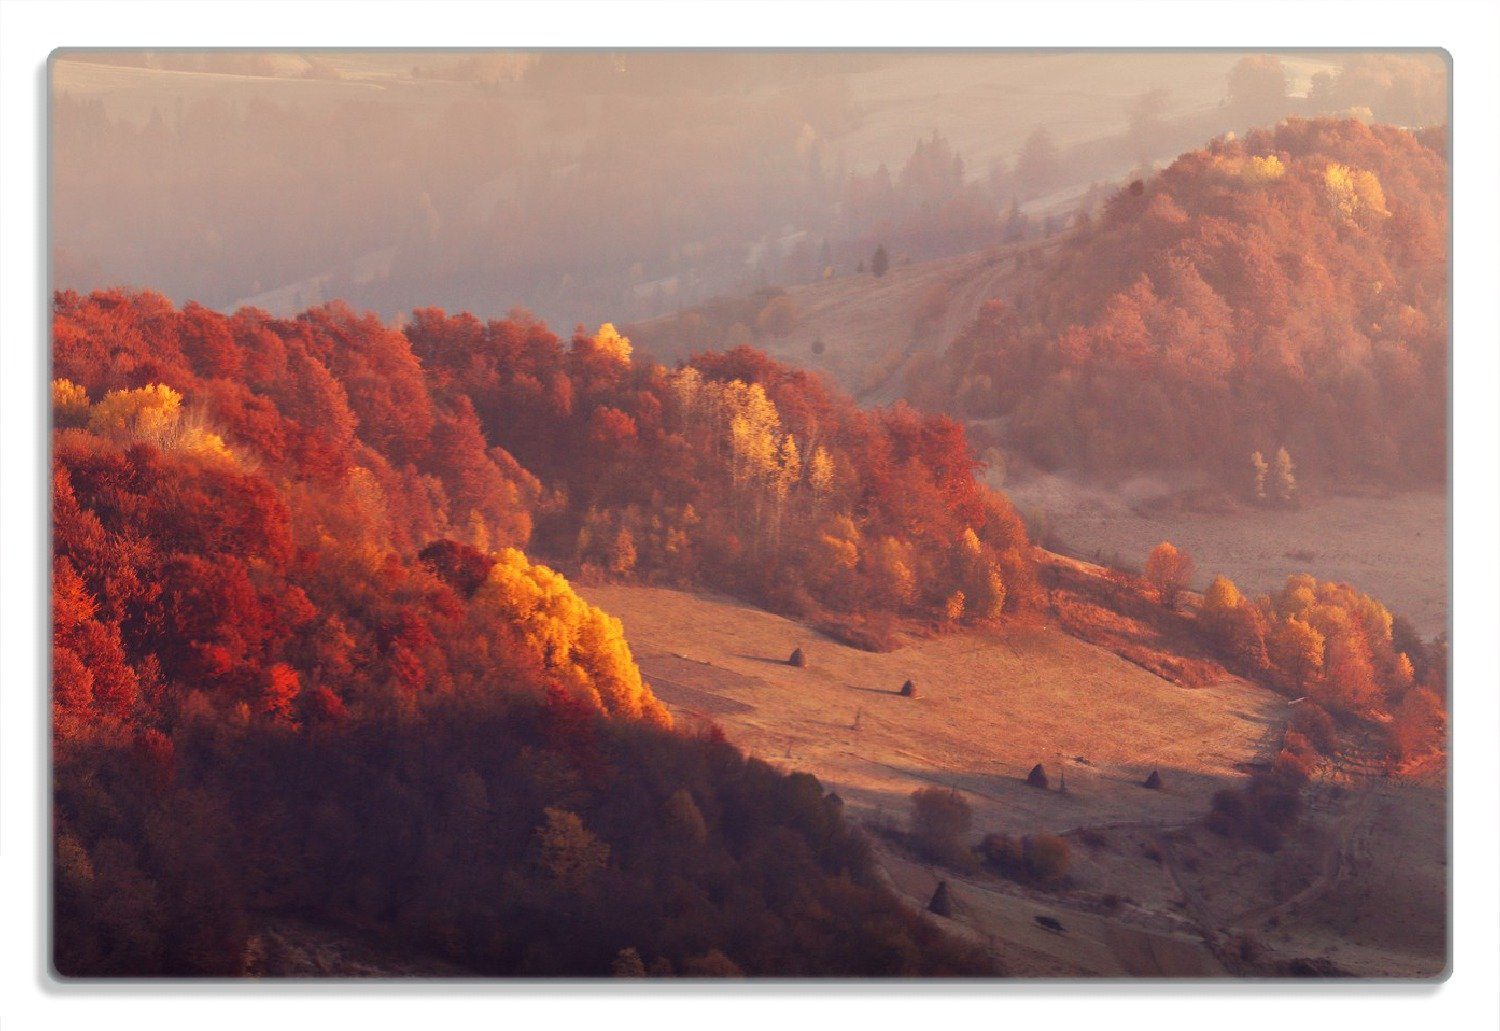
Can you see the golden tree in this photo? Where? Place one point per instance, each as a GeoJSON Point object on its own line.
{"type": "Point", "coordinates": [1168, 570]}
{"type": "Point", "coordinates": [1262, 470]}
{"type": "Point", "coordinates": [608, 343]}
{"type": "Point", "coordinates": [147, 413]}
{"type": "Point", "coordinates": [820, 474]}
{"type": "Point", "coordinates": [1283, 481]}
{"type": "Point", "coordinates": [583, 646]}
{"type": "Point", "coordinates": [70, 403]}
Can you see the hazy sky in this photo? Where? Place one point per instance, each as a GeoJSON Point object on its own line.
{"type": "Point", "coordinates": [582, 185]}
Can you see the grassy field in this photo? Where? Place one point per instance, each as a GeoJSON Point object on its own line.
{"type": "Point", "coordinates": [1394, 547]}
{"type": "Point", "coordinates": [871, 345]}
{"type": "Point", "coordinates": [989, 706]}
{"type": "Point", "coordinates": [1151, 893]}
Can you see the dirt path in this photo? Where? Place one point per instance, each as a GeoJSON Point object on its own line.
{"type": "Point", "coordinates": [1338, 856]}
{"type": "Point", "coordinates": [993, 274]}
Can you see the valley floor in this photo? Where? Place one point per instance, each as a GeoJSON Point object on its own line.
{"type": "Point", "coordinates": [1392, 546]}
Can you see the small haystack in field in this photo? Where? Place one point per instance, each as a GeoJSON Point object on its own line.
{"type": "Point", "coordinates": [1153, 782]}
{"type": "Point", "coordinates": [942, 900]}
{"type": "Point", "coordinates": [798, 659]}
{"type": "Point", "coordinates": [1037, 778]}
{"type": "Point", "coordinates": [908, 690]}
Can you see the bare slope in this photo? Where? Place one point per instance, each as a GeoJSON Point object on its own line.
{"type": "Point", "coordinates": [989, 706]}
{"type": "Point", "coordinates": [1360, 888]}
{"type": "Point", "coordinates": [871, 331]}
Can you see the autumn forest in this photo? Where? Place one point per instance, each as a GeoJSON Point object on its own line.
{"type": "Point", "coordinates": [453, 644]}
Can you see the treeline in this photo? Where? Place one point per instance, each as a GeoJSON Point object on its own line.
{"type": "Point", "coordinates": [1288, 289]}
{"type": "Point", "coordinates": [501, 835]}
{"type": "Point", "coordinates": [301, 667]}
{"type": "Point", "coordinates": [1342, 653]}
{"type": "Point", "coordinates": [741, 474]}
{"type": "Point", "coordinates": [1365, 684]}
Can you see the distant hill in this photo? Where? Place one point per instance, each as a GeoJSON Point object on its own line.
{"type": "Point", "coordinates": [865, 333]}
{"type": "Point", "coordinates": [1287, 289]}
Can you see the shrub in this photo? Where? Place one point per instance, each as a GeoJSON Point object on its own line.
{"type": "Point", "coordinates": [1168, 569]}
{"type": "Point", "coordinates": [1313, 722]}
{"type": "Point", "coordinates": [1092, 837]}
{"type": "Point", "coordinates": [1264, 812]}
{"type": "Point", "coordinates": [1004, 853]}
{"type": "Point", "coordinates": [939, 815]}
{"type": "Point", "coordinates": [1294, 764]}
{"type": "Point", "coordinates": [940, 818]}
{"type": "Point", "coordinates": [1046, 857]}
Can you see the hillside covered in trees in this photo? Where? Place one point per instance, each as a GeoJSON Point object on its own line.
{"type": "Point", "coordinates": [1285, 289]}
{"type": "Point", "coordinates": [304, 668]}
{"type": "Point", "coordinates": [740, 474]}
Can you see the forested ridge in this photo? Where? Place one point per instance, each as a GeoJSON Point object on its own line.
{"type": "Point", "coordinates": [306, 664]}
{"type": "Point", "coordinates": [1284, 289]}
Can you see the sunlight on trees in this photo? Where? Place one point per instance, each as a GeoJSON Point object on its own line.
{"type": "Point", "coordinates": [610, 344]}
{"type": "Point", "coordinates": [147, 413]}
{"type": "Point", "coordinates": [581, 645]}
{"type": "Point", "coordinates": [70, 403]}
{"type": "Point", "coordinates": [1168, 570]}
{"type": "Point", "coordinates": [1355, 193]}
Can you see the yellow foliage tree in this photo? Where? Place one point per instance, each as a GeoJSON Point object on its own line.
{"type": "Point", "coordinates": [1297, 649]}
{"type": "Point", "coordinates": [622, 555]}
{"type": "Point", "coordinates": [148, 413]}
{"type": "Point", "coordinates": [1370, 193]}
{"type": "Point", "coordinates": [788, 468]}
{"type": "Point", "coordinates": [152, 413]}
{"type": "Point", "coordinates": [610, 344]}
{"type": "Point", "coordinates": [754, 431]}
{"type": "Point", "coordinates": [990, 601]}
{"type": "Point", "coordinates": [70, 403]}
{"type": "Point", "coordinates": [1222, 596]}
{"type": "Point", "coordinates": [1262, 470]}
{"type": "Point", "coordinates": [1355, 193]}
{"type": "Point", "coordinates": [582, 646]}
{"type": "Point", "coordinates": [1168, 569]}
{"type": "Point", "coordinates": [1283, 479]}
{"type": "Point", "coordinates": [983, 587]}
{"type": "Point", "coordinates": [1263, 169]}
{"type": "Point", "coordinates": [820, 474]}
{"type": "Point", "coordinates": [890, 568]}
{"type": "Point", "coordinates": [203, 445]}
